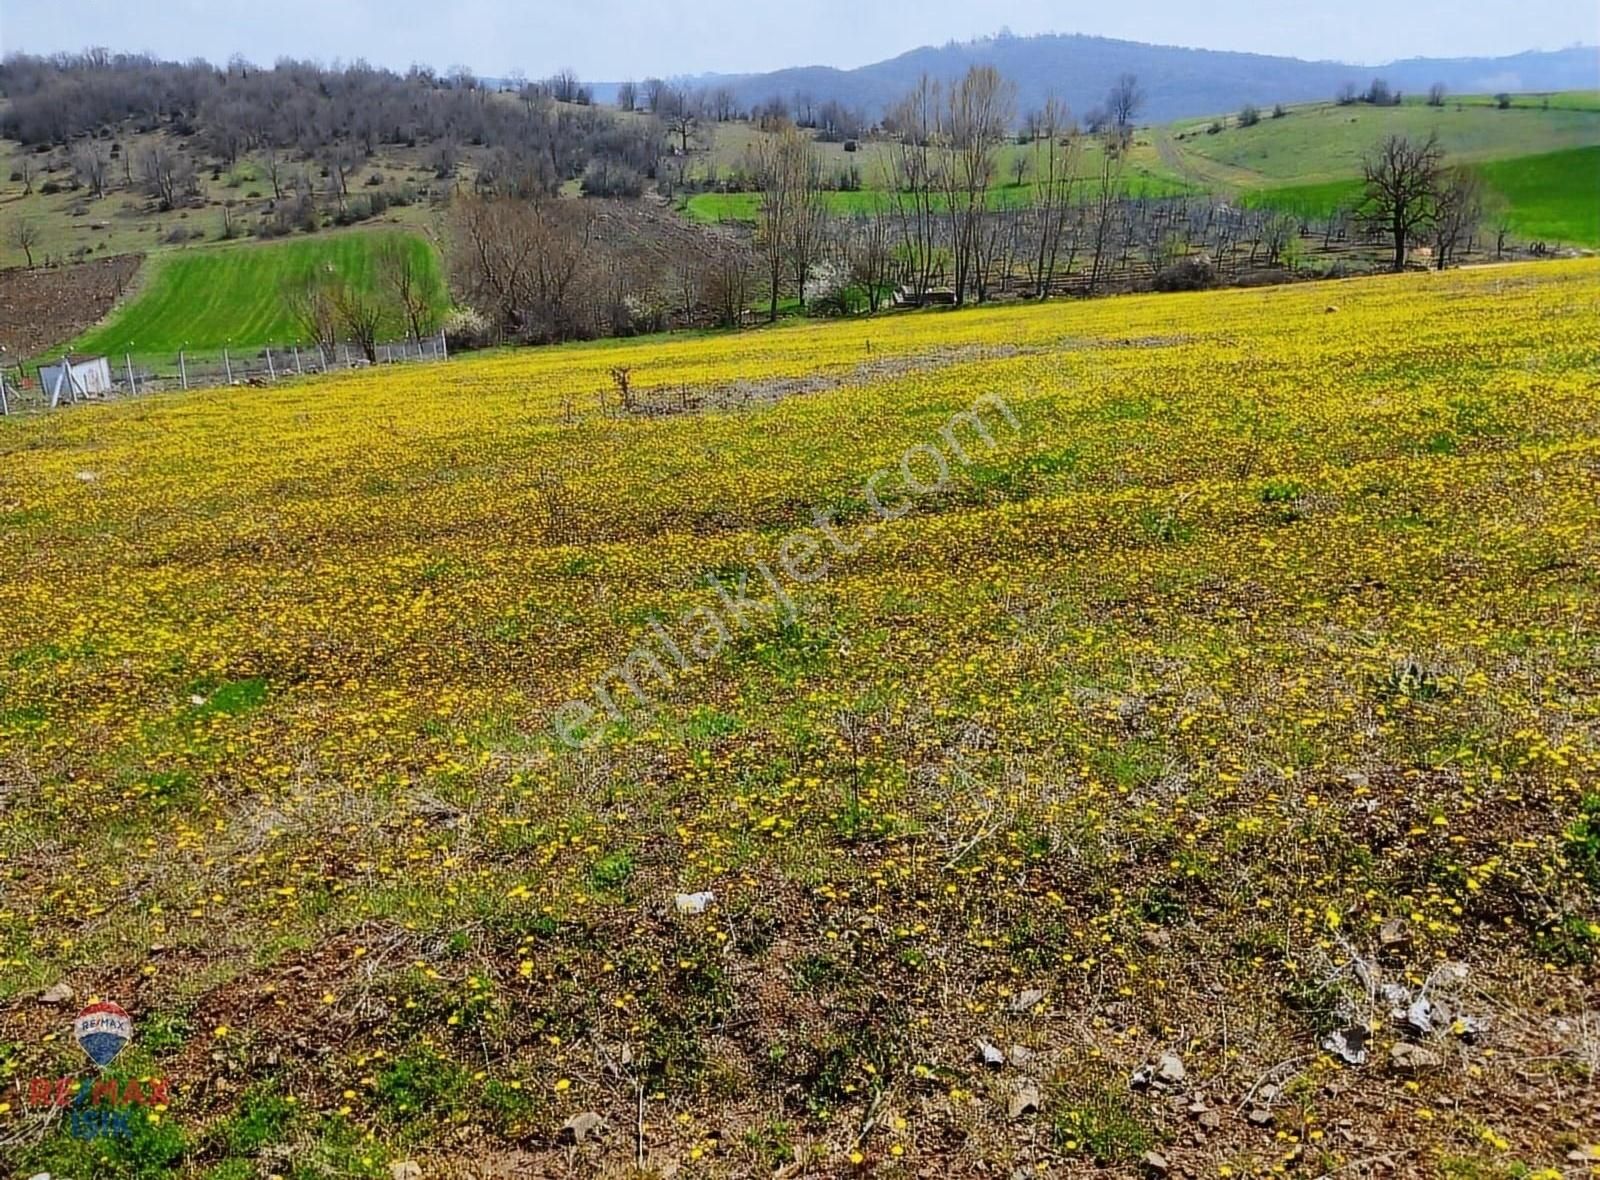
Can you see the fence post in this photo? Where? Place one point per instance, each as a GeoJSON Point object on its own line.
{"type": "Point", "coordinates": [272, 372]}
{"type": "Point", "coordinates": [183, 370]}
{"type": "Point", "coordinates": [227, 365]}
{"type": "Point", "coordinates": [444, 346]}
{"type": "Point", "coordinates": [322, 357]}
{"type": "Point", "coordinates": [132, 385]}
{"type": "Point", "coordinates": [298, 370]}
{"type": "Point", "coordinates": [5, 406]}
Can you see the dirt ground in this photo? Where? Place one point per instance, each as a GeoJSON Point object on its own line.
{"type": "Point", "coordinates": [44, 307]}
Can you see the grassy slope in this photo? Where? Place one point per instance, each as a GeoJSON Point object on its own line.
{"type": "Point", "coordinates": [1554, 197]}
{"type": "Point", "coordinates": [205, 299]}
{"type": "Point", "coordinates": [1268, 624]}
{"type": "Point", "coordinates": [1326, 142]}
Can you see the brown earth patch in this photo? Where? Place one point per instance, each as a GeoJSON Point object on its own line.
{"type": "Point", "coordinates": [47, 306]}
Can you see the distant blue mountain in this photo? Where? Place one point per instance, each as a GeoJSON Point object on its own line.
{"type": "Point", "coordinates": [1179, 83]}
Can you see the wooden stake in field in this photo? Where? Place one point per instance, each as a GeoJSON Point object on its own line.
{"type": "Point", "coordinates": [183, 370]}
{"type": "Point", "coordinates": [299, 372]}
{"type": "Point", "coordinates": [272, 372]}
{"type": "Point", "coordinates": [128, 361]}
{"type": "Point", "coordinates": [227, 365]}
{"type": "Point", "coordinates": [444, 346]}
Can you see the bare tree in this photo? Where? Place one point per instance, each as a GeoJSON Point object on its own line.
{"type": "Point", "coordinates": [726, 282]}
{"type": "Point", "coordinates": [1402, 179]}
{"type": "Point", "coordinates": [564, 86]}
{"type": "Point", "coordinates": [916, 170]}
{"type": "Point", "coordinates": [402, 274]}
{"type": "Point", "coordinates": [1459, 212]}
{"type": "Point", "coordinates": [360, 316]}
{"type": "Point", "coordinates": [977, 119]}
{"type": "Point", "coordinates": [1436, 94]}
{"type": "Point", "coordinates": [1123, 106]}
{"type": "Point", "coordinates": [24, 236]}
{"type": "Point", "coordinates": [628, 96]}
{"type": "Point", "coordinates": [681, 113]}
{"type": "Point", "coordinates": [168, 175]}
{"type": "Point", "coordinates": [724, 104]}
{"type": "Point", "coordinates": [786, 167]}
{"type": "Point", "coordinates": [518, 261]}
{"type": "Point", "coordinates": [809, 231]}
{"type": "Point", "coordinates": [1056, 149]}
{"type": "Point", "coordinates": [1106, 202]}
{"type": "Point", "coordinates": [772, 114]}
{"type": "Point", "coordinates": [274, 168]}
{"type": "Point", "coordinates": [342, 160]}
{"type": "Point", "coordinates": [308, 298]}
{"type": "Point", "coordinates": [90, 163]}
{"type": "Point", "coordinates": [869, 253]}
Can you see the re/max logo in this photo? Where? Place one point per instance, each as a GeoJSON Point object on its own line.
{"type": "Point", "coordinates": [98, 1107]}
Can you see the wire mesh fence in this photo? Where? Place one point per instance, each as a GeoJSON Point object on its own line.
{"type": "Point", "coordinates": [72, 379]}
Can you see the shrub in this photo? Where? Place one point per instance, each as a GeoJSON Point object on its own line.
{"type": "Point", "coordinates": [466, 329]}
{"type": "Point", "coordinates": [1250, 115]}
{"type": "Point", "coordinates": [1193, 273]}
{"type": "Point", "coordinates": [604, 179]}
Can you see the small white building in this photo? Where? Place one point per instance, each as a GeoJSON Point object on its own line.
{"type": "Point", "coordinates": [75, 376]}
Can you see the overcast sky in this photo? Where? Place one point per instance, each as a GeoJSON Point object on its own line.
{"type": "Point", "coordinates": [608, 40]}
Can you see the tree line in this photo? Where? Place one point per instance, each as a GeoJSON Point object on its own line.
{"type": "Point", "coordinates": [299, 113]}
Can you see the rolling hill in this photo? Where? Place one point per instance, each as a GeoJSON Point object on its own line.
{"type": "Point", "coordinates": [1180, 83]}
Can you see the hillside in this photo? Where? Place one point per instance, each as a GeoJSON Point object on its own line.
{"type": "Point", "coordinates": [1536, 156]}
{"type": "Point", "coordinates": [1081, 731]}
{"type": "Point", "coordinates": [1539, 159]}
{"type": "Point", "coordinates": [1180, 83]}
{"type": "Point", "coordinates": [1326, 141]}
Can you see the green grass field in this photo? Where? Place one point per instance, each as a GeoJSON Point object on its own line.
{"type": "Point", "coordinates": [715, 207]}
{"type": "Point", "coordinates": [1554, 197]}
{"type": "Point", "coordinates": [1325, 142]}
{"type": "Point", "coordinates": [232, 296]}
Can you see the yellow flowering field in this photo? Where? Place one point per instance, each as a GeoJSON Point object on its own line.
{"type": "Point", "coordinates": [1160, 733]}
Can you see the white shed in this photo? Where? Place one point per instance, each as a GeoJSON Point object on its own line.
{"type": "Point", "coordinates": [74, 376]}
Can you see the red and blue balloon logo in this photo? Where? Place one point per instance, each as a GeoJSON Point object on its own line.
{"type": "Point", "coordinates": [102, 1031]}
